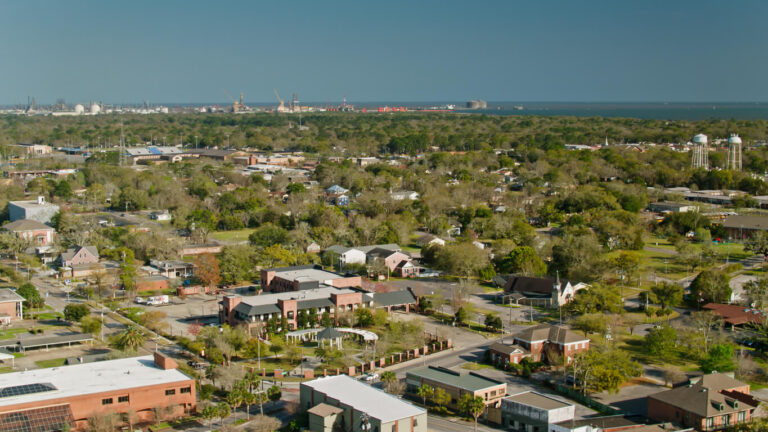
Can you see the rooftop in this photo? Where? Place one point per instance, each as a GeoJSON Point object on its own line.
{"type": "Point", "coordinates": [705, 398]}
{"type": "Point", "coordinates": [465, 381]}
{"type": "Point", "coordinates": [745, 221]}
{"type": "Point", "coordinates": [310, 294]}
{"type": "Point", "coordinates": [8, 295]}
{"type": "Point", "coordinates": [545, 332]}
{"type": "Point", "coordinates": [30, 204]}
{"type": "Point", "coordinates": [89, 378]}
{"type": "Point", "coordinates": [537, 400]}
{"type": "Point", "coordinates": [735, 314]}
{"type": "Point", "coordinates": [324, 410]}
{"type": "Point", "coordinates": [362, 397]}
{"type": "Point", "coordinates": [25, 225]}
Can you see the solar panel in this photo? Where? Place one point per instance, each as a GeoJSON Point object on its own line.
{"type": "Point", "coordinates": [26, 389]}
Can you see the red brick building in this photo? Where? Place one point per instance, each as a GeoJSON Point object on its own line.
{"type": "Point", "coordinates": [11, 306]}
{"type": "Point", "coordinates": [536, 342]}
{"type": "Point", "coordinates": [297, 278]}
{"type": "Point", "coordinates": [712, 402]}
{"type": "Point", "coordinates": [46, 399]}
{"type": "Point", "coordinates": [37, 233]}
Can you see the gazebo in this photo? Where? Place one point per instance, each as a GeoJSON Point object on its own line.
{"type": "Point", "coordinates": [331, 336]}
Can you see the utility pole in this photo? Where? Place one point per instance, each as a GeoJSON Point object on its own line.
{"type": "Point", "coordinates": [195, 142]}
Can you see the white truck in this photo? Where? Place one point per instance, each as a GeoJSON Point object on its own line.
{"type": "Point", "coordinates": [153, 301]}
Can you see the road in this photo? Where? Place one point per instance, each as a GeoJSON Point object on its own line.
{"type": "Point", "coordinates": [442, 424]}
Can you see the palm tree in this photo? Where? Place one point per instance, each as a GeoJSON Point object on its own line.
{"type": "Point", "coordinates": [235, 398]}
{"type": "Point", "coordinates": [223, 410]}
{"type": "Point", "coordinates": [473, 406]}
{"type": "Point", "coordinates": [130, 339]}
{"type": "Point", "coordinates": [425, 391]}
{"type": "Point", "coordinates": [252, 380]}
{"type": "Point", "coordinates": [248, 400]}
{"type": "Point", "coordinates": [209, 413]}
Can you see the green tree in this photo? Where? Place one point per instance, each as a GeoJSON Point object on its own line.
{"type": "Point", "coordinates": [710, 286]}
{"type": "Point", "coordinates": [603, 369]}
{"type": "Point", "coordinates": [493, 322]}
{"type": "Point", "coordinates": [661, 341]}
{"type": "Point", "coordinates": [719, 358]}
{"type": "Point", "coordinates": [523, 260]}
{"type": "Point", "coordinates": [461, 316]}
{"type": "Point", "coordinates": [667, 294]}
{"type": "Point", "coordinates": [236, 263]}
{"type": "Point", "coordinates": [90, 324]}
{"type": "Point", "coordinates": [209, 413]}
{"type": "Point", "coordinates": [274, 393]}
{"type": "Point", "coordinates": [441, 399]}
{"type": "Point", "coordinates": [32, 298]}
{"type": "Point", "coordinates": [627, 265]}
{"type": "Point", "coordinates": [326, 320]}
{"type": "Point", "coordinates": [130, 339]}
{"type": "Point", "coordinates": [388, 377]}
{"type": "Point", "coordinates": [757, 243]}
{"type": "Point", "coordinates": [223, 410]}
{"type": "Point", "coordinates": [364, 317]}
{"type": "Point", "coordinates": [76, 311]}
{"type": "Point", "coordinates": [425, 392]}
{"type": "Point", "coordinates": [235, 398]}
{"type": "Point", "coordinates": [268, 235]}
{"type": "Point", "coordinates": [590, 323]}
{"type": "Point", "coordinates": [472, 406]}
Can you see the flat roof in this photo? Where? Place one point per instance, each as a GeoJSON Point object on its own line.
{"type": "Point", "coordinates": [307, 274]}
{"type": "Point", "coordinates": [89, 378]}
{"type": "Point", "coordinates": [32, 204]}
{"type": "Point", "coordinates": [465, 381]}
{"type": "Point", "coordinates": [536, 400]}
{"type": "Point", "coordinates": [323, 292]}
{"type": "Point", "coordinates": [362, 397]}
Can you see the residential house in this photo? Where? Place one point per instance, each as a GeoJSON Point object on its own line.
{"type": "Point", "coordinates": [37, 233]}
{"type": "Point", "coordinates": [79, 255]}
{"type": "Point", "coordinates": [391, 259]}
{"type": "Point", "coordinates": [346, 255]}
{"type": "Point", "coordinates": [736, 315]}
{"type": "Point", "coordinates": [713, 402]}
{"type": "Point", "coordinates": [429, 239]}
{"type": "Point", "coordinates": [313, 248]}
{"type": "Point", "coordinates": [405, 195]}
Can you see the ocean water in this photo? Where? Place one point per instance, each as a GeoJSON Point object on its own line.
{"type": "Point", "coordinates": [661, 111]}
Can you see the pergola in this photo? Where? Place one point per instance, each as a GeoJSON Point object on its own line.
{"type": "Point", "coordinates": [331, 336]}
{"type": "Point", "coordinates": [313, 333]}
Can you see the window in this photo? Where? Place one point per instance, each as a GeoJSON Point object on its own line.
{"type": "Point", "coordinates": [726, 420]}
{"type": "Point", "coordinates": [290, 314]}
{"type": "Point", "coordinates": [741, 416]}
{"type": "Point", "coordinates": [122, 399]}
{"type": "Point", "coordinates": [107, 401]}
{"type": "Point", "coordinates": [170, 392]}
{"type": "Point", "coordinates": [394, 428]}
{"type": "Point", "coordinates": [710, 422]}
{"type": "Point", "coordinates": [185, 390]}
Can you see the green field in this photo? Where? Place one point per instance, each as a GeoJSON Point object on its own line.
{"type": "Point", "coordinates": [51, 363]}
{"type": "Point", "coordinates": [235, 236]}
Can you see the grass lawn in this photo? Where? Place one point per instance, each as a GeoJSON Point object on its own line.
{"type": "Point", "coordinates": [475, 366]}
{"type": "Point", "coordinates": [633, 345]}
{"type": "Point", "coordinates": [12, 332]}
{"type": "Point", "coordinates": [51, 363]}
{"type": "Point", "coordinates": [662, 264]}
{"type": "Point", "coordinates": [233, 236]}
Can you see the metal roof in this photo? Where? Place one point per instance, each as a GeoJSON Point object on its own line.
{"type": "Point", "coordinates": [465, 381]}
{"type": "Point", "coordinates": [394, 298]}
{"type": "Point", "coordinates": [364, 398]}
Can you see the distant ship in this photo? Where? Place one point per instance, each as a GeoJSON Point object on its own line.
{"type": "Point", "coordinates": [518, 107]}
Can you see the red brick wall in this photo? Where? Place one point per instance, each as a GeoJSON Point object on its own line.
{"type": "Point", "coordinates": [152, 285]}
{"type": "Point", "coordinates": [142, 400]}
{"type": "Point", "coordinates": [354, 281]}
{"type": "Point", "coordinates": [9, 309]}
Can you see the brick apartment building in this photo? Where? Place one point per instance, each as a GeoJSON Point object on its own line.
{"type": "Point", "coordinates": [710, 402]}
{"type": "Point", "coordinates": [298, 278]}
{"type": "Point", "coordinates": [260, 308]}
{"type": "Point", "coordinates": [47, 399]}
{"type": "Point", "coordinates": [535, 342]}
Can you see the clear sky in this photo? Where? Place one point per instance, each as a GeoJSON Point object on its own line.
{"type": "Point", "coordinates": [415, 50]}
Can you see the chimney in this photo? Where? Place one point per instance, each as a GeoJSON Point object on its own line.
{"type": "Point", "coordinates": [40, 199]}
{"type": "Point", "coordinates": [252, 160]}
{"type": "Point", "coordinates": [164, 362]}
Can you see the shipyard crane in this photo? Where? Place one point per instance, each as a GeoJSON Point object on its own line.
{"type": "Point", "coordinates": [281, 107]}
{"type": "Point", "coordinates": [235, 105]}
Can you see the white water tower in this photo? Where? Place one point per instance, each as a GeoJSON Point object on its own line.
{"type": "Point", "coordinates": [734, 153]}
{"type": "Point", "coordinates": [700, 157]}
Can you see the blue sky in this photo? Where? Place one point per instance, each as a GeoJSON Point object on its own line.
{"type": "Point", "coordinates": [418, 50]}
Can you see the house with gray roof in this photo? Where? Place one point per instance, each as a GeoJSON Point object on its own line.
{"type": "Point", "coordinates": [79, 255]}
{"type": "Point", "coordinates": [711, 402]}
{"type": "Point", "coordinates": [32, 231]}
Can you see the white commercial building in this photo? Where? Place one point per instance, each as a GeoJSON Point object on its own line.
{"type": "Point", "coordinates": [344, 403]}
